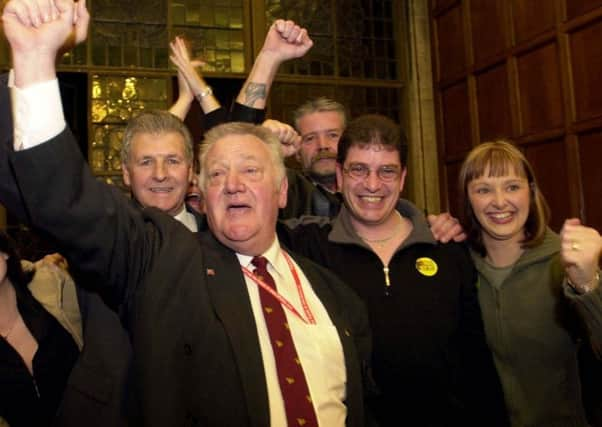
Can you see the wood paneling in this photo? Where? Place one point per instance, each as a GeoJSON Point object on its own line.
{"type": "Point", "coordinates": [590, 155]}
{"type": "Point", "coordinates": [450, 43]}
{"type": "Point", "coordinates": [574, 8]}
{"type": "Point", "coordinates": [488, 29]}
{"type": "Point", "coordinates": [455, 105]}
{"type": "Point", "coordinates": [494, 104]}
{"type": "Point", "coordinates": [541, 103]}
{"type": "Point", "coordinates": [532, 17]}
{"type": "Point", "coordinates": [586, 69]}
{"type": "Point", "coordinates": [549, 163]}
{"type": "Point", "coordinates": [532, 71]}
{"type": "Point", "coordinates": [452, 171]}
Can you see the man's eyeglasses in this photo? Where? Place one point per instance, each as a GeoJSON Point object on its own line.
{"type": "Point", "coordinates": [384, 173]}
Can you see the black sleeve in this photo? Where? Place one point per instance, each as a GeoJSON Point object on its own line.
{"type": "Point", "coordinates": [242, 113]}
{"type": "Point", "coordinates": [9, 193]}
{"type": "Point", "coordinates": [96, 226]}
{"type": "Point", "coordinates": [214, 118]}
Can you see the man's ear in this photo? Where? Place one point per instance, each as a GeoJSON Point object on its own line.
{"type": "Point", "coordinates": [126, 174]}
{"type": "Point", "coordinates": [283, 192]}
{"type": "Point", "coordinates": [339, 172]}
{"type": "Point", "coordinates": [402, 179]}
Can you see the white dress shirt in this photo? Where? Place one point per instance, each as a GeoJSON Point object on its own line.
{"type": "Point", "coordinates": [187, 219]}
{"type": "Point", "coordinates": [318, 346]}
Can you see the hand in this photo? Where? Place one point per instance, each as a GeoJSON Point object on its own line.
{"type": "Point", "coordinates": [180, 57]}
{"type": "Point", "coordinates": [289, 138]}
{"type": "Point", "coordinates": [36, 31]}
{"type": "Point", "coordinates": [55, 259]}
{"type": "Point", "coordinates": [580, 252]}
{"type": "Point", "coordinates": [285, 40]}
{"type": "Point", "coordinates": [44, 25]}
{"type": "Point", "coordinates": [446, 228]}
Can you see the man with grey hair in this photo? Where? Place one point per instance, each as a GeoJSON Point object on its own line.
{"type": "Point", "coordinates": [228, 328]}
{"type": "Point", "coordinates": [156, 162]}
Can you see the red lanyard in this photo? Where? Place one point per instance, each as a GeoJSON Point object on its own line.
{"type": "Point", "coordinates": [283, 301]}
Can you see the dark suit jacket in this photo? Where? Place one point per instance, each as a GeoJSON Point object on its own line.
{"type": "Point", "coordinates": [197, 358]}
{"type": "Point", "coordinates": [94, 392]}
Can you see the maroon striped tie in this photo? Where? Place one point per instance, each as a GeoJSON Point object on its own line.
{"type": "Point", "coordinates": [297, 400]}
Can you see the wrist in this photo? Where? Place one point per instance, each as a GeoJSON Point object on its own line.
{"type": "Point", "coordinates": [585, 287]}
{"type": "Point", "coordinates": [269, 58]}
{"type": "Point", "coordinates": [203, 93]}
{"type": "Point", "coordinates": [33, 67]}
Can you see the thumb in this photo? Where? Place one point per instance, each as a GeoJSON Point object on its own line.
{"type": "Point", "coordinates": [81, 19]}
{"type": "Point", "coordinates": [572, 221]}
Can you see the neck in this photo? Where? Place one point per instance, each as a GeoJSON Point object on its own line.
{"type": "Point", "coordinates": [329, 182]}
{"type": "Point", "coordinates": [503, 253]}
{"type": "Point", "coordinates": [8, 305]}
{"type": "Point", "coordinates": [393, 226]}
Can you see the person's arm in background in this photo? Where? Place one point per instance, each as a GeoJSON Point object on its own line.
{"type": "Point", "coordinates": [284, 41]}
{"type": "Point", "coordinates": [446, 228]}
{"type": "Point", "coordinates": [289, 139]}
{"type": "Point", "coordinates": [191, 84]}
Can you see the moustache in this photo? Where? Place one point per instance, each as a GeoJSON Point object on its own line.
{"type": "Point", "coordinates": [324, 155]}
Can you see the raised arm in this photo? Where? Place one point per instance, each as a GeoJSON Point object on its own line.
{"type": "Point", "coordinates": [285, 40]}
{"type": "Point", "coordinates": [191, 84]}
{"type": "Point", "coordinates": [95, 225]}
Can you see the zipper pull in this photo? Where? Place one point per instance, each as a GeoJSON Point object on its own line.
{"type": "Point", "coordinates": [387, 280]}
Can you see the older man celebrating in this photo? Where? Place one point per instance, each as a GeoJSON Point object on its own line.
{"type": "Point", "coordinates": [228, 329]}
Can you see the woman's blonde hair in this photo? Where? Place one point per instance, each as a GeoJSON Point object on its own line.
{"type": "Point", "coordinates": [500, 158]}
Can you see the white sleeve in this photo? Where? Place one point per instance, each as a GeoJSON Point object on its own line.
{"type": "Point", "coordinates": [37, 113]}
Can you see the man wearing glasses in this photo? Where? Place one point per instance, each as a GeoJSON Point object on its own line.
{"type": "Point", "coordinates": [431, 364]}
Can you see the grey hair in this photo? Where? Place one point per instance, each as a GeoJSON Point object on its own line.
{"type": "Point", "coordinates": [240, 128]}
{"type": "Point", "coordinates": [155, 122]}
{"type": "Point", "coordinates": [319, 105]}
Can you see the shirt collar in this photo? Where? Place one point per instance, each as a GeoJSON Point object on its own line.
{"type": "Point", "coordinates": [273, 255]}
{"type": "Point", "coordinates": [187, 219]}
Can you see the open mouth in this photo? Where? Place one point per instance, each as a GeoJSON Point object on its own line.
{"type": "Point", "coordinates": [371, 199]}
{"type": "Point", "coordinates": [500, 217]}
{"type": "Point", "coordinates": [193, 198]}
{"type": "Point", "coordinates": [237, 208]}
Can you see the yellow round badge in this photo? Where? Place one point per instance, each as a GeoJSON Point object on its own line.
{"type": "Point", "coordinates": [426, 266]}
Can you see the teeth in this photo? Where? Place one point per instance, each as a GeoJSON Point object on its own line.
{"type": "Point", "coordinates": [503, 215]}
{"type": "Point", "coordinates": [371, 199]}
{"type": "Point", "coordinates": [160, 190]}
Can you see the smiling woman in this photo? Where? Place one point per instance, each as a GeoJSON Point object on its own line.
{"type": "Point", "coordinates": [528, 305]}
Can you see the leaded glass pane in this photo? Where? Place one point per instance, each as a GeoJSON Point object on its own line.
{"type": "Point", "coordinates": [120, 45]}
{"type": "Point", "coordinates": [115, 100]}
{"type": "Point", "coordinates": [285, 97]}
{"type": "Point", "coordinates": [353, 38]}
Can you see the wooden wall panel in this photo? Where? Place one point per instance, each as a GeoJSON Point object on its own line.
{"type": "Point", "coordinates": [450, 43]}
{"type": "Point", "coordinates": [452, 171]}
{"type": "Point", "coordinates": [586, 69]}
{"type": "Point", "coordinates": [493, 101]}
{"type": "Point", "coordinates": [455, 104]}
{"type": "Point", "coordinates": [574, 8]}
{"type": "Point", "coordinates": [532, 17]}
{"type": "Point", "coordinates": [538, 79]}
{"type": "Point", "coordinates": [549, 163]}
{"type": "Point", "coordinates": [539, 88]}
{"type": "Point", "coordinates": [590, 155]}
{"type": "Point", "coordinates": [488, 29]}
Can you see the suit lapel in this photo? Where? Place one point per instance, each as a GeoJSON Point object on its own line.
{"type": "Point", "coordinates": [231, 303]}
